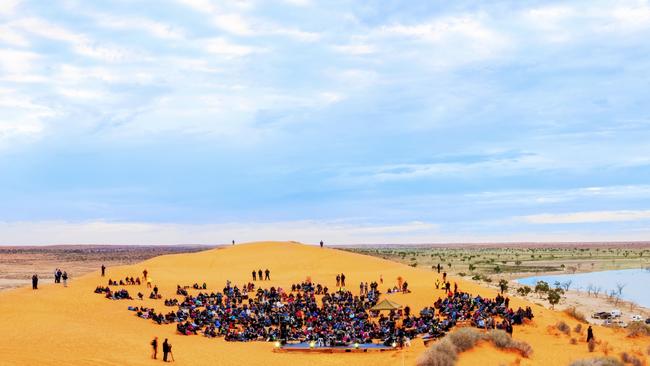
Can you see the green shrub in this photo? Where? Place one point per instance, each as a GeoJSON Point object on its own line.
{"type": "Point", "coordinates": [524, 290]}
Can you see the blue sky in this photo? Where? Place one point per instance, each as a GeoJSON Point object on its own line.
{"type": "Point", "coordinates": [195, 121]}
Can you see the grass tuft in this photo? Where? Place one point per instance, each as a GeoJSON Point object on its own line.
{"type": "Point", "coordinates": [575, 314]}
{"type": "Point", "coordinates": [599, 361]}
{"type": "Point", "coordinates": [445, 352]}
{"type": "Point", "coordinates": [563, 327]}
{"type": "Point", "coordinates": [638, 329]}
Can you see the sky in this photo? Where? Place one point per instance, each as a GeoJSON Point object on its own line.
{"type": "Point", "coordinates": [377, 121]}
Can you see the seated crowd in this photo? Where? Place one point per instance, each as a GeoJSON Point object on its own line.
{"type": "Point", "coordinates": [340, 318]}
{"type": "Point", "coordinates": [125, 282]}
{"type": "Point", "coordinates": [114, 295]}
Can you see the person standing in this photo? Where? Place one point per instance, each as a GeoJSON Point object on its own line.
{"type": "Point", "coordinates": [342, 280]}
{"type": "Point", "coordinates": [64, 276]}
{"type": "Point", "coordinates": [590, 334]}
{"type": "Point", "coordinates": [321, 243]}
{"type": "Point", "coordinates": [254, 276]}
{"type": "Point", "coordinates": [103, 270]}
{"type": "Point", "coordinates": [144, 273]}
{"type": "Point", "coordinates": [338, 280]}
{"type": "Point", "coordinates": [267, 275]}
{"type": "Point", "coordinates": [154, 348]}
{"type": "Point", "coordinates": [35, 282]}
{"type": "Point", "coordinates": [166, 348]}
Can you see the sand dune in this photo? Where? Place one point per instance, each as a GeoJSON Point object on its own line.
{"type": "Point", "coordinates": [74, 326]}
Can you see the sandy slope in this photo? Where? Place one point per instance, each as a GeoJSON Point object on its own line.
{"type": "Point", "coordinates": [74, 326]}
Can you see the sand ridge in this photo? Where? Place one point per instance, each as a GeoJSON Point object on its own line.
{"type": "Point", "coordinates": [74, 326]}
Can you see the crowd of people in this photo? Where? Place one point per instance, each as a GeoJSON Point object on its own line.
{"type": "Point", "coordinates": [248, 313]}
{"type": "Point", "coordinates": [113, 295]}
{"type": "Point", "coordinates": [127, 281]}
{"type": "Point", "coordinates": [311, 312]}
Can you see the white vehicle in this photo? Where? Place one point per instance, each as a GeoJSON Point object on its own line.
{"type": "Point", "coordinates": [615, 323]}
{"type": "Point", "coordinates": [615, 313]}
{"type": "Point", "coordinates": [636, 318]}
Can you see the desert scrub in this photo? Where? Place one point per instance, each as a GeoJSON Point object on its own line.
{"type": "Point", "coordinates": [575, 314]}
{"type": "Point", "coordinates": [465, 338]}
{"type": "Point", "coordinates": [445, 352]}
{"type": "Point", "coordinates": [600, 361]}
{"type": "Point", "coordinates": [591, 345]}
{"type": "Point", "coordinates": [442, 353]}
{"type": "Point", "coordinates": [563, 327]}
{"type": "Point", "coordinates": [631, 359]}
{"type": "Point", "coordinates": [578, 328]}
{"type": "Point", "coordinates": [502, 340]}
{"type": "Point", "coordinates": [638, 329]}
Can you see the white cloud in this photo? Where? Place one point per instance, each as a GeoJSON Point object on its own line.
{"type": "Point", "coordinates": [221, 46]}
{"type": "Point", "coordinates": [588, 217]}
{"type": "Point", "coordinates": [82, 94]}
{"type": "Point", "coordinates": [298, 2]}
{"type": "Point", "coordinates": [8, 7]}
{"type": "Point", "coordinates": [203, 6]}
{"type": "Point", "coordinates": [444, 42]}
{"type": "Point", "coordinates": [355, 49]}
{"type": "Point", "coordinates": [154, 28]}
{"type": "Point", "coordinates": [238, 25]}
{"type": "Point", "coordinates": [21, 117]}
{"type": "Point", "coordinates": [233, 23]}
{"type": "Point", "coordinates": [630, 18]}
{"type": "Point", "coordinates": [442, 29]}
{"type": "Point", "coordinates": [243, 25]}
{"type": "Point", "coordinates": [292, 33]}
{"type": "Point", "coordinates": [80, 43]}
{"type": "Point", "coordinates": [11, 37]}
{"type": "Point", "coordinates": [15, 62]}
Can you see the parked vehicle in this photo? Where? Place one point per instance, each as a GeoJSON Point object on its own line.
{"type": "Point", "coordinates": [615, 313]}
{"type": "Point", "coordinates": [636, 318]}
{"type": "Point", "coordinates": [615, 323]}
{"type": "Point", "coordinates": [602, 315]}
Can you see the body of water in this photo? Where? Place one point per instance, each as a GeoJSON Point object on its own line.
{"type": "Point", "coordinates": [636, 281]}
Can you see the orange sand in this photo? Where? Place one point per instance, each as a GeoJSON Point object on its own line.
{"type": "Point", "coordinates": [74, 326]}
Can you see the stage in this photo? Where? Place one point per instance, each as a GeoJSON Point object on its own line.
{"type": "Point", "coordinates": [313, 348]}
